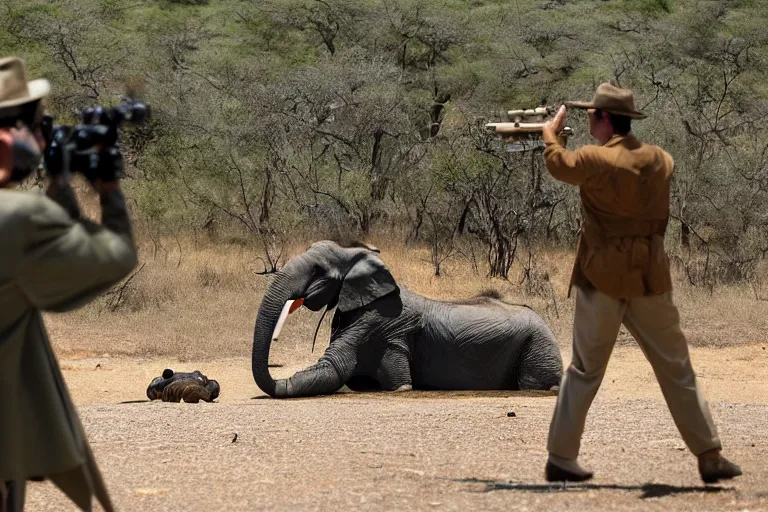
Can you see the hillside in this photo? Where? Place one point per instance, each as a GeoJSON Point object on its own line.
{"type": "Point", "coordinates": [290, 120]}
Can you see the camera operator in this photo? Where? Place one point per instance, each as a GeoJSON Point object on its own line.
{"type": "Point", "coordinates": [51, 260]}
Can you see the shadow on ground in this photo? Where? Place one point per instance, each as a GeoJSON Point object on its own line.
{"type": "Point", "coordinates": [424, 394]}
{"type": "Point", "coordinates": [648, 490]}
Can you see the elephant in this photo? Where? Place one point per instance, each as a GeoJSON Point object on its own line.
{"type": "Point", "coordinates": [385, 337]}
{"type": "Point", "coordinates": [177, 386]}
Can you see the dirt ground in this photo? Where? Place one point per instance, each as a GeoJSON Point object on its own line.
{"type": "Point", "coordinates": [410, 451]}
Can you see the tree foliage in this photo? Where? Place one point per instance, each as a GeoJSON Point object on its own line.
{"type": "Point", "coordinates": [329, 118]}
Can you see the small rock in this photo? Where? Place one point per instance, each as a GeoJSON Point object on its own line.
{"type": "Point", "coordinates": [753, 445]}
{"type": "Point", "coordinates": [234, 438]}
{"type": "Point", "coordinates": [511, 414]}
{"type": "Point", "coordinates": [150, 492]}
{"type": "Point", "coordinates": [98, 365]}
{"type": "Point", "coordinates": [434, 503]}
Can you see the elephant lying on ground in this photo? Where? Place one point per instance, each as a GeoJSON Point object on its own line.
{"type": "Point", "coordinates": [385, 337]}
{"type": "Point", "coordinates": [177, 386]}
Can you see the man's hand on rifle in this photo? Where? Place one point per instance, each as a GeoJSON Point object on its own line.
{"type": "Point", "coordinates": [554, 125]}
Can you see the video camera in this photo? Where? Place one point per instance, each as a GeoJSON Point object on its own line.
{"type": "Point", "coordinates": [90, 147]}
{"type": "Point", "coordinates": [523, 132]}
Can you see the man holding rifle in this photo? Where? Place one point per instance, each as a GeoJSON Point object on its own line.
{"type": "Point", "coordinates": [51, 260]}
{"type": "Point", "coordinates": [622, 275]}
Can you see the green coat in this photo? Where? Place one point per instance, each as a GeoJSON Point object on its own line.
{"type": "Point", "coordinates": [50, 262]}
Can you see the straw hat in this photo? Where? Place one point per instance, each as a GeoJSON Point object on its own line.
{"type": "Point", "coordinates": [14, 88]}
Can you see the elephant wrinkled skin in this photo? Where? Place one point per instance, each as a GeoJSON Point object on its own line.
{"type": "Point", "coordinates": [386, 337]}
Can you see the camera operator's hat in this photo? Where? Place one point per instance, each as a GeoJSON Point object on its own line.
{"type": "Point", "coordinates": [14, 88]}
{"type": "Point", "coordinates": [611, 99]}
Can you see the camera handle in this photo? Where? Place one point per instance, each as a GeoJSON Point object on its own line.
{"type": "Point", "coordinates": [56, 157]}
{"type": "Point", "coordinates": [62, 156]}
{"type": "Point", "coordinates": [109, 165]}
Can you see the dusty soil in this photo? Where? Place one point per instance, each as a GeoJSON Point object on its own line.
{"type": "Point", "coordinates": [410, 451]}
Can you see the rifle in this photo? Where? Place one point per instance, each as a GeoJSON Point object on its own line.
{"type": "Point", "coordinates": [523, 132]}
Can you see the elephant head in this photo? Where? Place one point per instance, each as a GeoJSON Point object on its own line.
{"type": "Point", "coordinates": [326, 275]}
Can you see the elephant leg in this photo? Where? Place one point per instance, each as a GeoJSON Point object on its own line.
{"type": "Point", "coordinates": [394, 373]}
{"type": "Point", "coordinates": [326, 376]}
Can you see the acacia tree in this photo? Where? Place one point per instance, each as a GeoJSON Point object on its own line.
{"type": "Point", "coordinates": [328, 24]}
{"type": "Point", "coordinates": [433, 210]}
{"type": "Point", "coordinates": [501, 196]}
{"type": "Point", "coordinates": [344, 138]}
{"type": "Point", "coordinates": [350, 116]}
{"type": "Point", "coordinates": [87, 63]}
{"type": "Point", "coordinates": [707, 112]}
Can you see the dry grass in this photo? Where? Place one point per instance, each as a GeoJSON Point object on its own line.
{"type": "Point", "coordinates": [198, 300]}
{"type": "Point", "coordinates": [412, 451]}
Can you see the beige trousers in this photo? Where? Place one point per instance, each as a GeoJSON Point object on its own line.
{"type": "Point", "coordinates": [655, 324]}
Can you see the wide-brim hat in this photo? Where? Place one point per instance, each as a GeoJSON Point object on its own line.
{"type": "Point", "coordinates": [15, 90]}
{"type": "Point", "coordinates": [611, 99]}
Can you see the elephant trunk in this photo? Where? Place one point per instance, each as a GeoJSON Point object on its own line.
{"type": "Point", "coordinates": [286, 285]}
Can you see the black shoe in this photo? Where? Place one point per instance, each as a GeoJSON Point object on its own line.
{"type": "Point", "coordinates": [555, 473]}
{"type": "Point", "coordinates": [714, 469]}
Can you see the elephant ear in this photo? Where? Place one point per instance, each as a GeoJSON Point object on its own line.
{"type": "Point", "coordinates": [368, 280]}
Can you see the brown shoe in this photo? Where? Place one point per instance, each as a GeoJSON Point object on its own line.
{"type": "Point", "coordinates": [715, 468]}
{"type": "Point", "coordinates": [555, 473]}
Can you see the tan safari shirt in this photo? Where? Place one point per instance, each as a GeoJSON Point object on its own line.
{"type": "Point", "coordinates": [624, 189]}
{"type": "Point", "coordinates": [50, 262]}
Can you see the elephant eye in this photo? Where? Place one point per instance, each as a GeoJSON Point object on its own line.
{"type": "Point", "coordinates": [318, 272]}
{"type": "Point", "coordinates": [315, 286]}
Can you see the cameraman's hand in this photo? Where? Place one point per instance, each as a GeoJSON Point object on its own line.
{"type": "Point", "coordinates": [6, 157]}
{"type": "Point", "coordinates": [20, 154]}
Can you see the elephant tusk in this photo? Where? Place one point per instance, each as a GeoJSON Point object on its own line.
{"type": "Point", "coordinates": [281, 319]}
{"type": "Point", "coordinates": [317, 329]}
{"type": "Point", "coordinates": [289, 307]}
